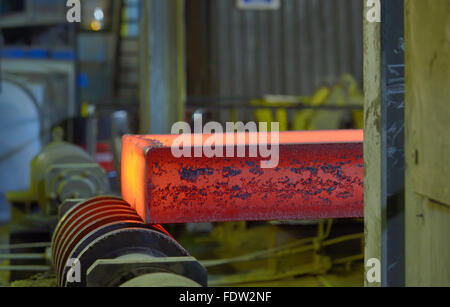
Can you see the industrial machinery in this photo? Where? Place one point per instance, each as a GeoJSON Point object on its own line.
{"type": "Point", "coordinates": [59, 172]}
{"type": "Point", "coordinates": [99, 240]}
{"type": "Point", "coordinates": [319, 176]}
{"type": "Point", "coordinates": [111, 246]}
{"type": "Point", "coordinates": [108, 241]}
{"type": "Point", "coordinates": [21, 123]}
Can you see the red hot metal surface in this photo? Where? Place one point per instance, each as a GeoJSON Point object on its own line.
{"type": "Point", "coordinates": [319, 175]}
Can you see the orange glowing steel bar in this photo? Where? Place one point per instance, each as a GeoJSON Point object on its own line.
{"type": "Point", "coordinates": [319, 175]}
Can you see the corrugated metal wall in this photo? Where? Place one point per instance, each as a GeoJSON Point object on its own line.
{"type": "Point", "coordinates": [290, 51]}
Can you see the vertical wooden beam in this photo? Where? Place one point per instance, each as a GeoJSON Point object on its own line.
{"type": "Point", "coordinates": [372, 140]}
{"type": "Point", "coordinates": [427, 211]}
{"type": "Point", "coordinates": [384, 141]}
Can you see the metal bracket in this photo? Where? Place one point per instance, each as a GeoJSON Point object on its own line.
{"type": "Point", "coordinates": [114, 272]}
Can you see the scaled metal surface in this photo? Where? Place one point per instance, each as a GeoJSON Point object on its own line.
{"type": "Point", "coordinates": [319, 175]}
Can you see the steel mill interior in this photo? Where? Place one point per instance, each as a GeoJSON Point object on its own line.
{"type": "Point", "coordinates": [224, 143]}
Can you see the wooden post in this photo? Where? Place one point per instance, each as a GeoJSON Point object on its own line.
{"type": "Point", "coordinates": [427, 192]}
{"type": "Point", "coordinates": [372, 141]}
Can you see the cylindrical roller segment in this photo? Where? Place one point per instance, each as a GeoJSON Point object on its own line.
{"type": "Point", "coordinates": [72, 228]}
{"type": "Point", "coordinates": [81, 205]}
{"type": "Point", "coordinates": [74, 210]}
{"type": "Point", "coordinates": [89, 224]}
{"type": "Point", "coordinates": [84, 228]}
{"type": "Point", "coordinates": [98, 232]}
{"type": "Point", "coordinates": [80, 212]}
{"type": "Point", "coordinates": [68, 228]}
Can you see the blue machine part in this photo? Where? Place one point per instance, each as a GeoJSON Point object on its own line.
{"type": "Point", "coordinates": [13, 53]}
{"type": "Point", "coordinates": [19, 135]}
{"type": "Point", "coordinates": [37, 53]}
{"type": "Point", "coordinates": [63, 55]}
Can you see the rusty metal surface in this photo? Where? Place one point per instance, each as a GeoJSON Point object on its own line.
{"type": "Point", "coordinates": [319, 175]}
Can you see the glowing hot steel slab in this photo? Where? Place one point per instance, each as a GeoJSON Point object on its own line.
{"type": "Point", "coordinates": [319, 175]}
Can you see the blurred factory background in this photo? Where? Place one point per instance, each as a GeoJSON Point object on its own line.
{"type": "Point", "coordinates": [134, 66]}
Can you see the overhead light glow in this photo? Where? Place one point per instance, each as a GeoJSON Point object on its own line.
{"type": "Point", "coordinates": [98, 14]}
{"type": "Point", "coordinates": [96, 25]}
